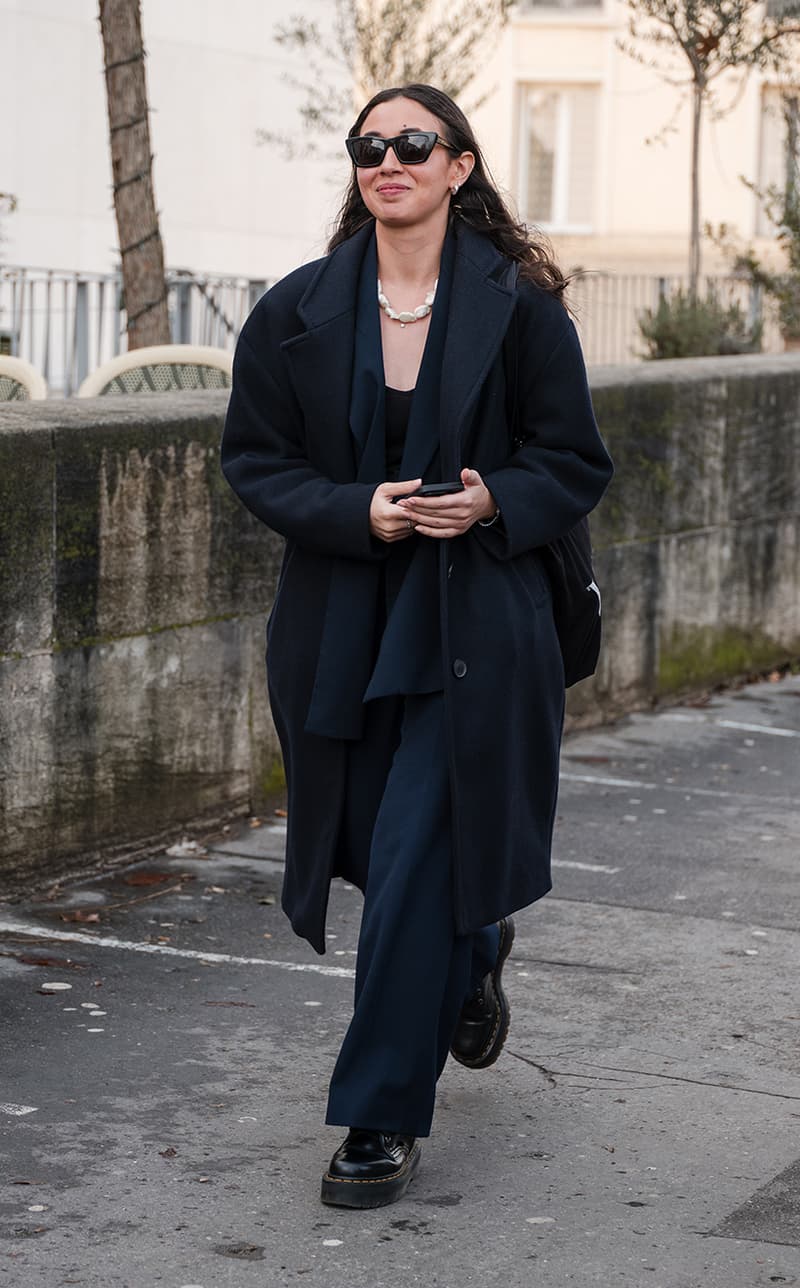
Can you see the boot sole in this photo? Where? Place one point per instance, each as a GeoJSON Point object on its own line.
{"type": "Point", "coordinates": [497, 1040]}
{"type": "Point", "coordinates": [340, 1192]}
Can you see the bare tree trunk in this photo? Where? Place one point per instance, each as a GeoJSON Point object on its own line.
{"type": "Point", "coordinates": [792, 114]}
{"type": "Point", "coordinates": [694, 232]}
{"type": "Point", "coordinates": [140, 243]}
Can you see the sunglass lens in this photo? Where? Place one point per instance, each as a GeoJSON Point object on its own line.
{"type": "Point", "coordinates": [412, 149]}
{"type": "Point", "coordinates": [366, 151]}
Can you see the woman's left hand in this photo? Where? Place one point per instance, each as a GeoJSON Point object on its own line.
{"type": "Point", "coordinates": [453, 514]}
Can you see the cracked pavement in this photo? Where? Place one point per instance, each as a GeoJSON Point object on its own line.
{"type": "Point", "coordinates": [162, 1117]}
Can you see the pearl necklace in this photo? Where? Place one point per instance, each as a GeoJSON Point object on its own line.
{"type": "Point", "coordinates": [420, 312]}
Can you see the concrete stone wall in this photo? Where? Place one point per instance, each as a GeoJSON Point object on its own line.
{"type": "Point", "coordinates": [133, 594]}
{"type": "Point", "coordinates": [698, 537]}
{"type": "Point", "coordinates": [134, 591]}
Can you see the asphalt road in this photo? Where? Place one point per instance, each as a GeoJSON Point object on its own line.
{"type": "Point", "coordinates": [162, 1116]}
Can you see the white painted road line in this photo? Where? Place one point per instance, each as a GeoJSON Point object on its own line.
{"type": "Point", "coordinates": [755, 728]}
{"type": "Point", "coordinates": [685, 718]}
{"type": "Point", "coordinates": [716, 793]}
{"type": "Point", "coordinates": [18, 1109]}
{"type": "Point", "coordinates": [606, 782]}
{"type": "Point", "coordinates": [109, 941]}
{"type": "Point", "coordinates": [583, 867]}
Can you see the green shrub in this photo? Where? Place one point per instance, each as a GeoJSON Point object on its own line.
{"type": "Point", "coordinates": [685, 326]}
{"type": "Point", "coordinates": [783, 287]}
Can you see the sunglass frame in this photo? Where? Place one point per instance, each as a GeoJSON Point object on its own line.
{"type": "Point", "coordinates": [352, 142]}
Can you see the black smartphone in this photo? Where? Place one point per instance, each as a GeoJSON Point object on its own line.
{"type": "Point", "coordinates": [433, 489]}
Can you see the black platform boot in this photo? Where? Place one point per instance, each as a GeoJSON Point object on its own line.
{"type": "Point", "coordinates": [485, 1017]}
{"type": "Point", "coordinates": [370, 1169]}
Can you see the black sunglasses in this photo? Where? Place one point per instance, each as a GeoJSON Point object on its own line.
{"type": "Point", "coordinates": [368, 150]}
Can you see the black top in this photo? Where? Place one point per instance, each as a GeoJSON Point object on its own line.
{"type": "Point", "coordinates": [398, 410]}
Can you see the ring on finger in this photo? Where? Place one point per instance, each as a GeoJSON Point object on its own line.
{"type": "Point", "coordinates": [410, 525]}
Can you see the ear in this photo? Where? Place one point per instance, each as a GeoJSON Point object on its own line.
{"type": "Point", "coordinates": [462, 168]}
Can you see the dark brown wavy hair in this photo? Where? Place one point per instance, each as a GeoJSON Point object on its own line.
{"type": "Point", "coordinates": [479, 203]}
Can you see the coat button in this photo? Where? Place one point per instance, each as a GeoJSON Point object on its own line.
{"type": "Point", "coordinates": [459, 668]}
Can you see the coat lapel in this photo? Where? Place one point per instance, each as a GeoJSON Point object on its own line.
{"type": "Point", "coordinates": [422, 439]}
{"type": "Point", "coordinates": [321, 358]}
{"type": "Point", "coordinates": [480, 312]}
{"type": "Point", "coordinates": [367, 399]}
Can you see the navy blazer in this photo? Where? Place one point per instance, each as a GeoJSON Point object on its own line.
{"type": "Point", "coordinates": [288, 452]}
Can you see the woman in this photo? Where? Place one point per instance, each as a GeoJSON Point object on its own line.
{"type": "Point", "coordinates": [414, 670]}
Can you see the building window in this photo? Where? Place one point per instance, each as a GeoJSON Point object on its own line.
{"type": "Point", "coordinates": [558, 156]}
{"type": "Point", "coordinates": [779, 148]}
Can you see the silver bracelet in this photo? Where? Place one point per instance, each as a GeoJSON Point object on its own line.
{"type": "Point", "coordinates": [487, 523]}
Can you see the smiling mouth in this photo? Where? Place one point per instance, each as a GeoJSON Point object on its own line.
{"type": "Point", "coordinates": [393, 187]}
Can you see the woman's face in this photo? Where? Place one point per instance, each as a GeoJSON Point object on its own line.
{"type": "Point", "coordinates": [402, 196]}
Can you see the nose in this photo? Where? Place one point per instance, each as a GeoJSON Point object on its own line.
{"type": "Point", "coordinates": [390, 161]}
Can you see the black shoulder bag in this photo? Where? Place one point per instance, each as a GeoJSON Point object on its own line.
{"type": "Point", "coordinates": [567, 561]}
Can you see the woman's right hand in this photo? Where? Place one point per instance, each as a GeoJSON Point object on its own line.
{"type": "Point", "coordinates": [386, 521]}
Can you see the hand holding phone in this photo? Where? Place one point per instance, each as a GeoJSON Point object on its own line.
{"type": "Point", "coordinates": [443, 510]}
{"type": "Point", "coordinates": [433, 489]}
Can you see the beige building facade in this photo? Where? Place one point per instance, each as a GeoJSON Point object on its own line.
{"type": "Point", "coordinates": [572, 131]}
{"type": "Point", "coordinates": [566, 128]}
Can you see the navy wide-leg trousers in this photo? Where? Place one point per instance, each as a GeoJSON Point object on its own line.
{"type": "Point", "coordinates": [413, 972]}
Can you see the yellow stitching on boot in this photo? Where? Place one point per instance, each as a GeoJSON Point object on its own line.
{"type": "Point", "coordinates": [381, 1180]}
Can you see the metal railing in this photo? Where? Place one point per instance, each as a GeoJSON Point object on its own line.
{"type": "Point", "coordinates": [67, 324]}
{"type": "Point", "coordinates": [608, 307]}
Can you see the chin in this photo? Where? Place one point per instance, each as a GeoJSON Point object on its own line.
{"type": "Point", "coordinates": [395, 218]}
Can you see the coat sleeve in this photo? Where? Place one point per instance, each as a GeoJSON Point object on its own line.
{"type": "Point", "coordinates": [560, 467]}
{"type": "Point", "coordinates": [262, 457]}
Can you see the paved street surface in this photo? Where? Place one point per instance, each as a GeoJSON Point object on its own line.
{"type": "Point", "coordinates": [162, 1115]}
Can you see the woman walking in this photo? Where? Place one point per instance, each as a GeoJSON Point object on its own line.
{"type": "Point", "coordinates": [414, 670]}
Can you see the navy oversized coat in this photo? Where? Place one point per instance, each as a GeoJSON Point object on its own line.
{"type": "Point", "coordinates": [287, 451]}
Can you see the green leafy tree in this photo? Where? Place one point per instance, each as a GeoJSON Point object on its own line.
{"type": "Point", "coordinates": [696, 42]}
{"type": "Point", "coordinates": [372, 44]}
